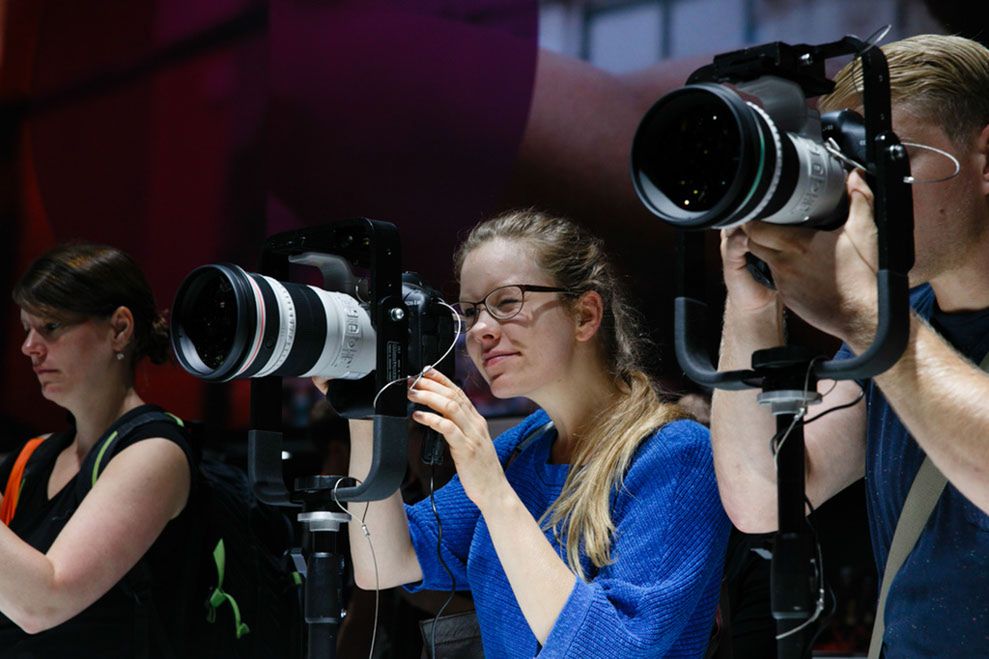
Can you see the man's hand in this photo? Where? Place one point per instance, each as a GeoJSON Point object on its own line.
{"type": "Point", "coordinates": [746, 294]}
{"type": "Point", "coordinates": [828, 278]}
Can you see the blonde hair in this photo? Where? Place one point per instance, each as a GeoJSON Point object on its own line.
{"type": "Point", "coordinates": [942, 78]}
{"type": "Point", "coordinates": [602, 454]}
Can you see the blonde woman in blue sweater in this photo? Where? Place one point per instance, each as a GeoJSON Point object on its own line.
{"type": "Point", "coordinates": [604, 536]}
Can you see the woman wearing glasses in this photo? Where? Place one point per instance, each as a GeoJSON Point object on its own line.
{"type": "Point", "coordinates": [591, 529]}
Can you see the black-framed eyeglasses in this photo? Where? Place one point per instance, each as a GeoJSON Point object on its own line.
{"type": "Point", "coordinates": [503, 302]}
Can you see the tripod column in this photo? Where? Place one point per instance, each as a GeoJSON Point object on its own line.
{"type": "Point", "coordinates": [324, 566]}
{"type": "Point", "coordinates": [793, 578]}
{"type": "Point", "coordinates": [789, 387]}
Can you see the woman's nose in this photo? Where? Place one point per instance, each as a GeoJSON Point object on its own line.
{"type": "Point", "coordinates": [484, 325]}
{"type": "Point", "coordinates": [32, 344]}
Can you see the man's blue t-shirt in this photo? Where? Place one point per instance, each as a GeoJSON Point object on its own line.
{"type": "Point", "coordinates": [938, 604]}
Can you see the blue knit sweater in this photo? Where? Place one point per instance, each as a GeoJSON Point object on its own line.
{"type": "Point", "coordinates": [656, 599]}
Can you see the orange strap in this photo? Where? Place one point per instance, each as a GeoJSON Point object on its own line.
{"type": "Point", "coordinates": [13, 490]}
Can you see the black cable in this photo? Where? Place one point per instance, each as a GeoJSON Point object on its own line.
{"type": "Point", "coordinates": [439, 555]}
{"type": "Point", "coordinates": [843, 406]}
{"type": "Point", "coordinates": [809, 504]}
{"type": "Point", "coordinates": [830, 600]}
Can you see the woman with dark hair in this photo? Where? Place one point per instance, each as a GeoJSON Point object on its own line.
{"type": "Point", "coordinates": [594, 527]}
{"type": "Point", "coordinates": [68, 582]}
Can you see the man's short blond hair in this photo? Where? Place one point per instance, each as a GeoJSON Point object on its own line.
{"type": "Point", "coordinates": [944, 79]}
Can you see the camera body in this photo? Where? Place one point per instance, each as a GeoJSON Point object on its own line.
{"type": "Point", "coordinates": [431, 332]}
{"type": "Point", "coordinates": [740, 143]}
{"type": "Point", "coordinates": [361, 333]}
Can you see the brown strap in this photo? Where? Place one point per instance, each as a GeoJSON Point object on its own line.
{"type": "Point", "coordinates": [14, 482]}
{"type": "Point", "coordinates": [921, 500]}
{"type": "Point", "coordinates": [920, 503]}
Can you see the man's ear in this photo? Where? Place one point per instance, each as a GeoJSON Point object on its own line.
{"type": "Point", "coordinates": [982, 150]}
{"type": "Point", "coordinates": [122, 326]}
{"type": "Point", "coordinates": [588, 312]}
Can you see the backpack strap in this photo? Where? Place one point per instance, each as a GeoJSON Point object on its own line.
{"type": "Point", "coordinates": [136, 584]}
{"type": "Point", "coordinates": [107, 445]}
{"type": "Point", "coordinates": [921, 500]}
{"type": "Point", "coordinates": [15, 482]}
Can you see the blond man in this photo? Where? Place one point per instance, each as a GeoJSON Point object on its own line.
{"type": "Point", "coordinates": [932, 402]}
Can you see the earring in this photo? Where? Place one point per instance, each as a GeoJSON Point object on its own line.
{"type": "Point", "coordinates": [120, 356]}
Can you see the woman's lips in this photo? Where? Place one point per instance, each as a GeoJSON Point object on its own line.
{"type": "Point", "coordinates": [497, 358]}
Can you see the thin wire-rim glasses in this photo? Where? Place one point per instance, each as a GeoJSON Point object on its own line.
{"type": "Point", "coordinates": [507, 303]}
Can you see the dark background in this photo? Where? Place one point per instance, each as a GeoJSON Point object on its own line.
{"type": "Point", "coordinates": [185, 132]}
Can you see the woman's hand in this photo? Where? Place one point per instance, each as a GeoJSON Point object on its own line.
{"type": "Point", "coordinates": [466, 433]}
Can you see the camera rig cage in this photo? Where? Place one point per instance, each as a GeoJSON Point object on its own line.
{"type": "Point", "coordinates": [788, 374]}
{"type": "Point", "coordinates": [372, 245]}
{"type": "Point", "coordinates": [886, 165]}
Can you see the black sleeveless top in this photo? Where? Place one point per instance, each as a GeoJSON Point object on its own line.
{"type": "Point", "coordinates": [137, 617]}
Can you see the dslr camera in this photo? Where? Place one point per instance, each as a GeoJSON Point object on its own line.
{"type": "Point", "coordinates": [739, 142]}
{"type": "Point", "coordinates": [362, 332]}
{"type": "Point", "coordinates": [367, 332]}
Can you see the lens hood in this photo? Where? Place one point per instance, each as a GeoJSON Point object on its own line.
{"type": "Point", "coordinates": [214, 321]}
{"type": "Point", "coordinates": [703, 158]}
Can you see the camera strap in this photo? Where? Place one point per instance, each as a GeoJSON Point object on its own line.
{"type": "Point", "coordinates": [917, 508]}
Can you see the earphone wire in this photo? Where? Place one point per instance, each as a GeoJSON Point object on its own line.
{"type": "Point", "coordinates": [776, 444]}
{"type": "Point", "coordinates": [439, 555]}
{"type": "Point", "coordinates": [821, 593]}
{"type": "Point", "coordinates": [453, 582]}
{"type": "Point", "coordinates": [374, 559]}
{"type": "Point", "coordinates": [875, 39]}
{"type": "Point", "coordinates": [453, 344]}
{"type": "Point", "coordinates": [831, 146]}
